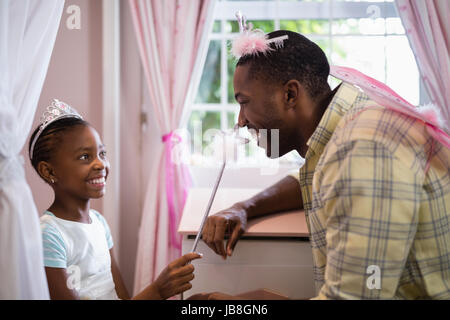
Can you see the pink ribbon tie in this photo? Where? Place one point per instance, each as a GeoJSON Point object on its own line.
{"type": "Point", "coordinates": [169, 143]}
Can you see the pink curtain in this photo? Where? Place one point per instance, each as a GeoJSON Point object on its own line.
{"type": "Point", "coordinates": [170, 35]}
{"type": "Point", "coordinates": [427, 25]}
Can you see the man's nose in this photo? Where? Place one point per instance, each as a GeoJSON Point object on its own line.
{"type": "Point", "coordinates": [242, 120]}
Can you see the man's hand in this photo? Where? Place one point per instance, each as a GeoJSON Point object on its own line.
{"type": "Point", "coordinates": [232, 221]}
{"type": "Point", "coordinates": [284, 195]}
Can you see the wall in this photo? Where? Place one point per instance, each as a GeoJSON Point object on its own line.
{"type": "Point", "coordinates": [74, 76]}
{"type": "Point", "coordinates": [131, 99]}
{"type": "Point", "coordinates": [137, 144]}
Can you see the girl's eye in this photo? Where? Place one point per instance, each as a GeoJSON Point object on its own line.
{"type": "Point", "coordinates": [84, 157]}
{"type": "Point", "coordinates": [103, 154]}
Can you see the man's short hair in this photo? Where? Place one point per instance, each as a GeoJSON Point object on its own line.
{"type": "Point", "coordinates": [299, 59]}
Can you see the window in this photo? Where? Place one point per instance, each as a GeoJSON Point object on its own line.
{"type": "Point", "coordinates": [365, 35]}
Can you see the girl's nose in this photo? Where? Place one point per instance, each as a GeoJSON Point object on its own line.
{"type": "Point", "coordinates": [99, 164]}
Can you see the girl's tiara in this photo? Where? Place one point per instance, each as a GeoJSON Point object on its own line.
{"type": "Point", "coordinates": [57, 110]}
{"type": "Point", "coordinates": [253, 42]}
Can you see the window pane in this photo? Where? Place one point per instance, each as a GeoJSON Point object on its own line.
{"type": "Point", "coordinates": [231, 67]}
{"type": "Point", "coordinates": [200, 122]}
{"type": "Point", "coordinates": [216, 26]}
{"type": "Point", "coordinates": [267, 26]}
{"type": "Point", "coordinates": [209, 89]}
{"type": "Point", "coordinates": [323, 43]}
{"type": "Point", "coordinates": [394, 26]}
{"type": "Point", "coordinates": [359, 26]}
{"type": "Point", "coordinates": [232, 119]}
{"type": "Point", "coordinates": [365, 0]}
{"type": "Point", "coordinates": [246, 0]}
{"type": "Point", "coordinates": [304, 0]}
{"type": "Point", "coordinates": [306, 26]}
{"type": "Point", "coordinates": [231, 26]}
{"type": "Point", "coordinates": [365, 54]}
{"type": "Point", "coordinates": [401, 69]}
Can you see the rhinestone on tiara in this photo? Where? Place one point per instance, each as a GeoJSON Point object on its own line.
{"type": "Point", "coordinates": [57, 110]}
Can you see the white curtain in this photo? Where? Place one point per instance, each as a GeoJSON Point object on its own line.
{"type": "Point", "coordinates": [28, 30]}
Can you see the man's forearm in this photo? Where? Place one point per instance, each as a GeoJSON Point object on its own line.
{"type": "Point", "coordinates": [283, 195]}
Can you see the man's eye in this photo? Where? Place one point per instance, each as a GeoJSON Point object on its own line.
{"type": "Point", "coordinates": [103, 154]}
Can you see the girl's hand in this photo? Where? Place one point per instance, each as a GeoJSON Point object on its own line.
{"type": "Point", "coordinates": [176, 277]}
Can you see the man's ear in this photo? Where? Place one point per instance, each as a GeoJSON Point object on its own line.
{"type": "Point", "coordinates": [47, 172]}
{"type": "Point", "coordinates": [292, 91]}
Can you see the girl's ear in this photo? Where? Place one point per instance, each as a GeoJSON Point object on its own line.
{"type": "Point", "coordinates": [46, 171]}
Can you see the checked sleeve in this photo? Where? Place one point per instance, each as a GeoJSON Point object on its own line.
{"type": "Point", "coordinates": [370, 201]}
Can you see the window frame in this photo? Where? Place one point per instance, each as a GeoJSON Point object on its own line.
{"type": "Point", "coordinates": [276, 11]}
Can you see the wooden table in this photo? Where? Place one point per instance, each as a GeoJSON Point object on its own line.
{"type": "Point", "coordinates": [274, 253]}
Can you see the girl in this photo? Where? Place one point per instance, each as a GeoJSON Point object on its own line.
{"type": "Point", "coordinates": [68, 154]}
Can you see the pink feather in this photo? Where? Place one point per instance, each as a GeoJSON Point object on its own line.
{"type": "Point", "coordinates": [250, 43]}
{"type": "Point", "coordinates": [432, 113]}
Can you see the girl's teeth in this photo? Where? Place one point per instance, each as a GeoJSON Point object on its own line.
{"type": "Point", "coordinates": [97, 181]}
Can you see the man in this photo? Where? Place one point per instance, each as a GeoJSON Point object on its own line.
{"type": "Point", "coordinates": [375, 185]}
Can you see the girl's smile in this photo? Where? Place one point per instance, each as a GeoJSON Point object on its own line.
{"type": "Point", "coordinates": [80, 165]}
{"type": "Point", "coordinates": [97, 182]}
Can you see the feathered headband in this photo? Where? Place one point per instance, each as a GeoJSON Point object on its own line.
{"type": "Point", "coordinates": [57, 110]}
{"type": "Point", "coordinates": [253, 42]}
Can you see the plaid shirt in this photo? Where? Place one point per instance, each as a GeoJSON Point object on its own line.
{"type": "Point", "coordinates": [378, 216]}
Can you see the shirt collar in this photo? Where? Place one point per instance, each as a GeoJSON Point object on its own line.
{"type": "Point", "coordinates": [342, 101]}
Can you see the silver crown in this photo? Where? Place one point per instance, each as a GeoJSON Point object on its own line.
{"type": "Point", "coordinates": [57, 110]}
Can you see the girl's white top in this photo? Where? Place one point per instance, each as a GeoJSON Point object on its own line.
{"type": "Point", "coordinates": [83, 250]}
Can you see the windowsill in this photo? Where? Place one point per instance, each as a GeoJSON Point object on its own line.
{"type": "Point", "coordinates": [288, 161]}
{"type": "Point", "coordinates": [240, 176]}
{"type": "Point", "coordinates": [240, 166]}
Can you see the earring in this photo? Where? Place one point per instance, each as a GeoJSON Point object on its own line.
{"type": "Point", "coordinates": [53, 181]}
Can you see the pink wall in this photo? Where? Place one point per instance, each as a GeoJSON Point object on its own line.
{"type": "Point", "coordinates": [74, 76]}
{"type": "Point", "coordinates": [130, 133]}
{"type": "Point", "coordinates": [136, 145]}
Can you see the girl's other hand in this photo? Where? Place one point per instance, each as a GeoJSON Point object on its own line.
{"type": "Point", "coordinates": [176, 277]}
